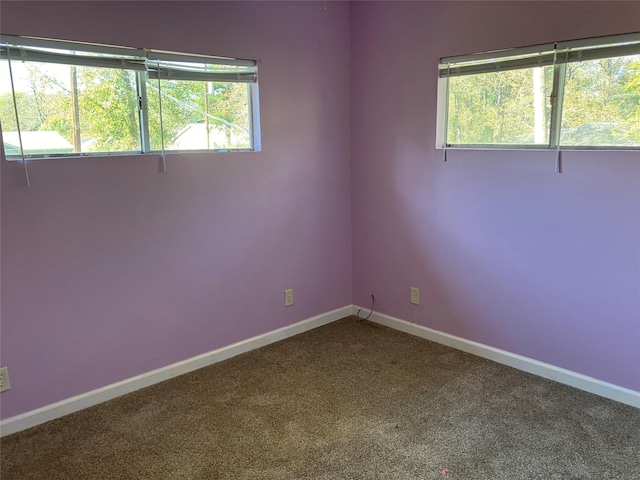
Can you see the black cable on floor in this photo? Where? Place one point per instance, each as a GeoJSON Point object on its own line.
{"type": "Point", "coordinates": [373, 301]}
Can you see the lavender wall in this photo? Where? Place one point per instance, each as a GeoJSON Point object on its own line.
{"type": "Point", "coordinates": [111, 269]}
{"type": "Point", "coordinates": [504, 251]}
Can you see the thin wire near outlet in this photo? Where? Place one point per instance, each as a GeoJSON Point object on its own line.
{"type": "Point", "coordinates": [373, 302]}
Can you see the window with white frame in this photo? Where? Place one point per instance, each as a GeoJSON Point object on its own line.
{"type": "Point", "coordinates": [62, 98]}
{"type": "Point", "coordinates": [578, 94]}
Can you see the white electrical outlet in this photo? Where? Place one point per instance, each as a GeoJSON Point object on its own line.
{"type": "Point", "coordinates": [415, 296]}
{"type": "Point", "coordinates": [4, 379]}
{"type": "Point", "coordinates": [288, 297]}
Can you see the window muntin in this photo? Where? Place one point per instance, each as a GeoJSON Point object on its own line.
{"type": "Point", "coordinates": [581, 94]}
{"type": "Point", "coordinates": [76, 99]}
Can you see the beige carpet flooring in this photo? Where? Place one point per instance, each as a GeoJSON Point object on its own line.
{"type": "Point", "coordinates": [350, 400]}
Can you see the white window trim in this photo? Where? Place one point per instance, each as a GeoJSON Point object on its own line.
{"type": "Point", "coordinates": [557, 54]}
{"type": "Point", "coordinates": [155, 64]}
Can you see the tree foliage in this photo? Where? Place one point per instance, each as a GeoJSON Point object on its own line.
{"type": "Point", "coordinates": [601, 105]}
{"type": "Point", "coordinates": [222, 106]}
{"type": "Point", "coordinates": [495, 107]}
{"type": "Point", "coordinates": [104, 105]}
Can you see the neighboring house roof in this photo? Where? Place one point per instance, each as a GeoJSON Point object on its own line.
{"type": "Point", "coordinates": [36, 142]}
{"type": "Point", "coordinates": [194, 137]}
{"type": "Point", "coordinates": [596, 133]}
{"type": "Point", "coordinates": [589, 134]}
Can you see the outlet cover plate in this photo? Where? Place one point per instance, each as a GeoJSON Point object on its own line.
{"type": "Point", "coordinates": [288, 297]}
{"type": "Point", "coordinates": [4, 379]}
{"type": "Point", "coordinates": [415, 296]}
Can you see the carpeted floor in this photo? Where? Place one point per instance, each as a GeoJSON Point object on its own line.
{"type": "Point", "coordinates": [351, 400]}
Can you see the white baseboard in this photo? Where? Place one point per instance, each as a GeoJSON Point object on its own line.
{"type": "Point", "coordinates": [89, 399]}
{"type": "Point", "coordinates": [94, 397]}
{"type": "Point", "coordinates": [561, 375]}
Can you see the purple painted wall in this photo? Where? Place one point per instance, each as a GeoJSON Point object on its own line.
{"type": "Point", "coordinates": [111, 269]}
{"type": "Point", "coordinates": [504, 251]}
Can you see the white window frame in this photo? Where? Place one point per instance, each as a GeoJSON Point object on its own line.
{"type": "Point", "coordinates": [556, 54]}
{"type": "Point", "coordinates": [149, 64]}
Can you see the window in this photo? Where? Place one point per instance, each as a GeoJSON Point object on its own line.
{"type": "Point", "coordinates": [68, 98]}
{"type": "Point", "coordinates": [580, 94]}
{"type": "Point", "coordinates": [200, 106]}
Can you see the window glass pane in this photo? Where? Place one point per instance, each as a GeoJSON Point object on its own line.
{"type": "Point", "coordinates": [199, 115]}
{"type": "Point", "coordinates": [602, 103]}
{"type": "Point", "coordinates": [507, 107]}
{"type": "Point", "coordinates": [69, 109]}
{"type": "Point", "coordinates": [7, 111]}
